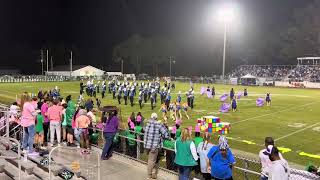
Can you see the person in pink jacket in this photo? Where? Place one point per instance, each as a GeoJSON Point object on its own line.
{"type": "Point", "coordinates": [28, 116]}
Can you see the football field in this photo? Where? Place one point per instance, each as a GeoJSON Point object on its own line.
{"type": "Point", "coordinates": [293, 119]}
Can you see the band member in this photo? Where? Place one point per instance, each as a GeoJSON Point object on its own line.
{"type": "Point", "coordinates": [125, 95]}
{"type": "Point", "coordinates": [119, 94]}
{"type": "Point", "coordinates": [131, 95]}
{"type": "Point", "coordinates": [140, 99]}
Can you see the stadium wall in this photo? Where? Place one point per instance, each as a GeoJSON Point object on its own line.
{"type": "Point", "coordinates": [305, 84]}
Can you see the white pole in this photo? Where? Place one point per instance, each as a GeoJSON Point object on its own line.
{"type": "Point", "coordinates": [170, 66]}
{"type": "Point", "coordinates": [224, 49]}
{"type": "Point", "coordinates": [70, 63]}
{"type": "Point", "coordinates": [41, 62]}
{"type": "Point", "coordinates": [122, 66]}
{"type": "Point", "coordinates": [47, 60]}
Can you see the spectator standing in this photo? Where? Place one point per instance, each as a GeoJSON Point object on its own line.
{"type": "Point", "coordinates": [28, 123]}
{"type": "Point", "coordinates": [203, 150]}
{"type": "Point", "coordinates": [110, 130]}
{"type": "Point", "coordinates": [153, 135]}
{"type": "Point", "coordinates": [70, 111]}
{"type": "Point", "coordinates": [55, 115]}
{"type": "Point", "coordinates": [279, 169]}
{"type": "Point", "coordinates": [186, 154]}
{"type": "Point", "coordinates": [82, 124]}
{"type": "Point", "coordinates": [265, 160]}
{"type": "Point", "coordinates": [46, 123]}
{"type": "Point", "coordinates": [220, 160]}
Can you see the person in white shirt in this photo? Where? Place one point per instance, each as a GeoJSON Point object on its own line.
{"type": "Point", "coordinates": [279, 169]}
{"type": "Point", "coordinates": [264, 159]}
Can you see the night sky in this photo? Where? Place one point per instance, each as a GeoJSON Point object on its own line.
{"type": "Point", "coordinates": [92, 28]}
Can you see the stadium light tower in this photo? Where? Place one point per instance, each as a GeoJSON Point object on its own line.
{"type": "Point", "coordinates": [226, 15]}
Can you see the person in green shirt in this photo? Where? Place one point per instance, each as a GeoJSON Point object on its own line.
{"type": "Point", "coordinates": [39, 137]}
{"type": "Point", "coordinates": [139, 132]}
{"type": "Point", "coordinates": [186, 154]}
{"type": "Point", "coordinates": [131, 142]}
{"type": "Point", "coordinates": [169, 148]}
{"type": "Point", "coordinates": [70, 111]}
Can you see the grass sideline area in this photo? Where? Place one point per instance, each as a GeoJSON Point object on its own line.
{"type": "Point", "coordinates": [292, 119]}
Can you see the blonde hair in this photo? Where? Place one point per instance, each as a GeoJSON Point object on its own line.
{"type": "Point", "coordinates": [206, 140]}
{"type": "Point", "coordinates": [25, 97]}
{"type": "Point", "coordinates": [185, 135]}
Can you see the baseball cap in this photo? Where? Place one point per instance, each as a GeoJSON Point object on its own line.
{"type": "Point", "coordinates": [271, 150]}
{"type": "Point", "coordinates": [154, 116]}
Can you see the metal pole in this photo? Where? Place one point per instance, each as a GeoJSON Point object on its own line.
{"type": "Point", "coordinates": [170, 66]}
{"type": "Point", "coordinates": [99, 166]}
{"type": "Point", "coordinates": [41, 61]}
{"type": "Point", "coordinates": [47, 61]}
{"type": "Point", "coordinates": [122, 66]}
{"type": "Point", "coordinates": [7, 124]}
{"type": "Point", "coordinates": [224, 49]}
{"type": "Point", "coordinates": [70, 63]}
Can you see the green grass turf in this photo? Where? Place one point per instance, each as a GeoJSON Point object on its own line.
{"type": "Point", "coordinates": [288, 106]}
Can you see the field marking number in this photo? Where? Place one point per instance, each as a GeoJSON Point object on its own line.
{"type": "Point", "coordinates": [297, 125]}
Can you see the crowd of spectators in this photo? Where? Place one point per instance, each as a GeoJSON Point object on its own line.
{"type": "Point", "coordinates": [275, 72]}
{"type": "Point", "coordinates": [305, 73]}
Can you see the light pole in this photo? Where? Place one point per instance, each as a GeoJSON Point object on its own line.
{"type": "Point", "coordinates": [171, 61]}
{"type": "Point", "coordinates": [122, 66]}
{"type": "Point", "coordinates": [70, 64]}
{"type": "Point", "coordinates": [41, 62]}
{"type": "Point", "coordinates": [226, 15]}
{"type": "Point", "coordinates": [224, 50]}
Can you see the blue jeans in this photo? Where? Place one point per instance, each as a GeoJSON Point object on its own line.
{"type": "Point", "coordinates": [184, 172]}
{"type": "Point", "coordinates": [28, 137]}
{"type": "Point", "coordinates": [107, 149]}
{"type": "Point", "coordinates": [263, 178]}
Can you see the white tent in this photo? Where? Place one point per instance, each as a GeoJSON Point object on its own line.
{"type": "Point", "coordinates": [248, 76]}
{"type": "Point", "coordinates": [248, 80]}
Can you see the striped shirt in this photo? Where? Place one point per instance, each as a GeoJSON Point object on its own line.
{"type": "Point", "coordinates": [154, 134]}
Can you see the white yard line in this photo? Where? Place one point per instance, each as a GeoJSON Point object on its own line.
{"type": "Point", "coordinates": [295, 132]}
{"type": "Point", "coordinates": [286, 109]}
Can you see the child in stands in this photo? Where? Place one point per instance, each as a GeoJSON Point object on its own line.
{"type": "Point", "coordinates": [39, 136]}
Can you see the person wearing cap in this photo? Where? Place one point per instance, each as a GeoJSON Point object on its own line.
{"type": "Point", "coordinates": [153, 138]}
{"type": "Point", "coordinates": [279, 169]}
{"type": "Point", "coordinates": [220, 160]}
{"type": "Point", "coordinates": [186, 154]}
{"type": "Point", "coordinates": [264, 158]}
{"type": "Point", "coordinates": [82, 124]}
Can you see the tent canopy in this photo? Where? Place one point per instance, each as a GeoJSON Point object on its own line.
{"type": "Point", "coordinates": [248, 76]}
